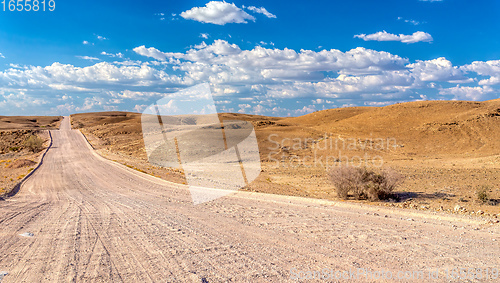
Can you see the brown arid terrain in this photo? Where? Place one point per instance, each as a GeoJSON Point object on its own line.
{"type": "Point", "coordinates": [446, 150]}
{"type": "Point", "coordinates": [17, 160]}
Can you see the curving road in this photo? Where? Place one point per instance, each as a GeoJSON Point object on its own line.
{"type": "Point", "coordinates": [92, 220]}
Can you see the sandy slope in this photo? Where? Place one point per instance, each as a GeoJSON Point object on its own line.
{"type": "Point", "coordinates": [94, 220]}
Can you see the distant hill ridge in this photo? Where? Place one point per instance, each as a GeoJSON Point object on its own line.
{"type": "Point", "coordinates": [422, 128]}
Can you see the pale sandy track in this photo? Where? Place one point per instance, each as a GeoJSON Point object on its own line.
{"type": "Point", "coordinates": [96, 221]}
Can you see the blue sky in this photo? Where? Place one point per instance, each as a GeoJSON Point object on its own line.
{"type": "Point", "coordinates": [260, 57]}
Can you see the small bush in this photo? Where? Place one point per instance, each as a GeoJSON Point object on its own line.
{"type": "Point", "coordinates": [346, 179]}
{"type": "Point", "coordinates": [482, 193]}
{"type": "Point", "coordinates": [34, 143]}
{"type": "Point", "coordinates": [362, 183]}
{"type": "Point", "coordinates": [381, 186]}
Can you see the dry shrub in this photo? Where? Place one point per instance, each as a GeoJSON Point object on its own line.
{"type": "Point", "coordinates": [34, 143]}
{"type": "Point", "coordinates": [363, 183]}
{"type": "Point", "coordinates": [346, 179]}
{"type": "Point", "coordinates": [482, 194]}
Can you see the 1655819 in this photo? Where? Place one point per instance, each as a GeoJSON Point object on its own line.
{"type": "Point", "coordinates": [28, 5]}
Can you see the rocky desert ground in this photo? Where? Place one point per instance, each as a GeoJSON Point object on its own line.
{"type": "Point", "coordinates": [447, 151]}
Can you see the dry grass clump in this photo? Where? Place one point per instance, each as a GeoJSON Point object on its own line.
{"type": "Point", "coordinates": [363, 183]}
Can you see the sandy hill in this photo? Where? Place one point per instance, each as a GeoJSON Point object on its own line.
{"type": "Point", "coordinates": [424, 128]}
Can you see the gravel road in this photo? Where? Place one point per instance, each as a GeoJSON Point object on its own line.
{"type": "Point", "coordinates": [82, 218]}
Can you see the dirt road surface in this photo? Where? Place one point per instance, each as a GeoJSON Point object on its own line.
{"type": "Point", "coordinates": [82, 218]}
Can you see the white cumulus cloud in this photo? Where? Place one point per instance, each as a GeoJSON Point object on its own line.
{"type": "Point", "coordinates": [150, 52]}
{"type": "Point", "coordinates": [469, 93]}
{"type": "Point", "coordinates": [219, 13]}
{"type": "Point", "coordinates": [439, 69]}
{"type": "Point", "coordinates": [222, 54]}
{"type": "Point", "coordinates": [256, 80]}
{"type": "Point", "coordinates": [488, 68]}
{"type": "Point", "coordinates": [65, 76]}
{"type": "Point", "coordinates": [418, 36]}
